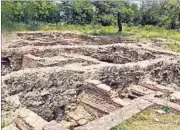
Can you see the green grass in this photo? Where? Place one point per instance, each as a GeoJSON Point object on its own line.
{"type": "Point", "coordinates": [151, 120]}
{"type": "Point", "coordinates": [133, 31]}
{"type": "Point", "coordinates": [3, 124]}
{"type": "Point", "coordinates": [174, 47]}
{"type": "Point", "coordinates": [123, 127]}
{"type": "Point", "coordinates": [149, 32]}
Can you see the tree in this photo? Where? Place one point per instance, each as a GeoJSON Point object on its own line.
{"type": "Point", "coordinates": [163, 13]}
{"type": "Point", "coordinates": [159, 13]}
{"type": "Point", "coordinates": [105, 12]}
{"type": "Point", "coordinates": [114, 12]}
{"type": "Point", "coordinates": [82, 12]}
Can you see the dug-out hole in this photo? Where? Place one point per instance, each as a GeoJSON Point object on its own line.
{"type": "Point", "coordinates": [122, 55]}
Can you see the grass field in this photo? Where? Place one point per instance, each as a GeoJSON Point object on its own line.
{"type": "Point", "coordinates": [174, 47]}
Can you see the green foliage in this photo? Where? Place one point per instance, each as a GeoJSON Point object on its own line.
{"type": "Point", "coordinates": [30, 11]}
{"type": "Point", "coordinates": [82, 12]}
{"type": "Point", "coordinates": [174, 47]}
{"type": "Point", "coordinates": [123, 127]}
{"type": "Point", "coordinates": [3, 124]}
{"type": "Point", "coordinates": [107, 12]}
{"type": "Point", "coordinates": [163, 14]}
{"type": "Point", "coordinates": [166, 108]}
{"type": "Point", "coordinates": [72, 12]}
{"type": "Point", "coordinates": [107, 20]}
{"type": "Point", "coordinates": [127, 14]}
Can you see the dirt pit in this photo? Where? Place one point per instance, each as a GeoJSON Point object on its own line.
{"type": "Point", "coordinates": [76, 79]}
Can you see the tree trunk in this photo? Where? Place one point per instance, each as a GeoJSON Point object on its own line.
{"type": "Point", "coordinates": [119, 23]}
{"type": "Point", "coordinates": [120, 27]}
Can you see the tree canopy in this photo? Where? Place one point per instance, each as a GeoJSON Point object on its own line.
{"type": "Point", "coordinates": [165, 13]}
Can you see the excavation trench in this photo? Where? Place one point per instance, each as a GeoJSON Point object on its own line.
{"type": "Point", "coordinates": [20, 58]}
{"type": "Point", "coordinates": [79, 84]}
{"type": "Point", "coordinates": [65, 94]}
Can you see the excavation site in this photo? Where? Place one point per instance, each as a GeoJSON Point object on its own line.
{"type": "Point", "coordinates": [70, 81]}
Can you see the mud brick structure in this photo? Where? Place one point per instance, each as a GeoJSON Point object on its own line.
{"type": "Point", "coordinates": [76, 81]}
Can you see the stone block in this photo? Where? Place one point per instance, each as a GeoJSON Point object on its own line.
{"type": "Point", "coordinates": [28, 120]}
{"type": "Point", "coordinates": [94, 82]}
{"type": "Point", "coordinates": [175, 96]}
{"type": "Point", "coordinates": [121, 101]}
{"type": "Point", "coordinates": [104, 87]}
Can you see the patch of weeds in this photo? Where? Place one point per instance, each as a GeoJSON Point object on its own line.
{"type": "Point", "coordinates": [146, 121]}
{"type": "Point", "coordinates": [174, 47]}
{"type": "Point", "coordinates": [149, 32]}
{"type": "Point", "coordinates": [178, 85]}
{"type": "Point", "coordinates": [123, 127]}
{"type": "Point", "coordinates": [166, 109]}
{"type": "Point", "coordinates": [3, 124]}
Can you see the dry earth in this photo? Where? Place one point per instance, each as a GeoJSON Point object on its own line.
{"type": "Point", "coordinates": [53, 80]}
